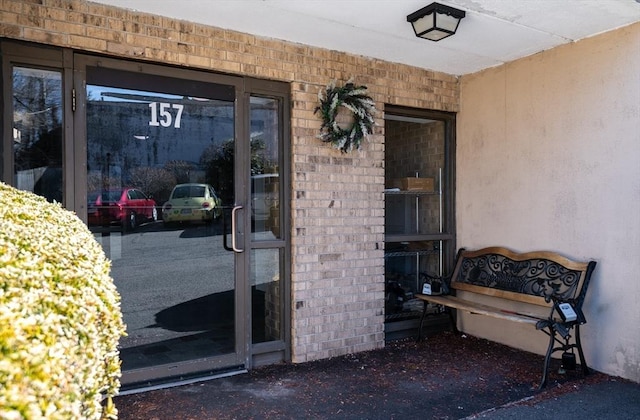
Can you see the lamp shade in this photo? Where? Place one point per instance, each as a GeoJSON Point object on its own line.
{"type": "Point", "coordinates": [435, 21]}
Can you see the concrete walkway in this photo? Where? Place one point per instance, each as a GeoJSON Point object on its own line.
{"type": "Point", "coordinates": [446, 376]}
{"type": "Point", "coordinates": [612, 399]}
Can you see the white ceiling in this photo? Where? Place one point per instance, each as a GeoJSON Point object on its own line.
{"type": "Point", "coordinates": [493, 31]}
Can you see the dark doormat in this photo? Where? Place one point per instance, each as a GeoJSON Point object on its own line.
{"type": "Point", "coordinates": [445, 376]}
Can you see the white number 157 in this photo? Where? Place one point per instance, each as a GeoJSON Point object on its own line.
{"type": "Point", "coordinates": [161, 116]}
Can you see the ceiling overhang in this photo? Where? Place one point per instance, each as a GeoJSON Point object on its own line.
{"type": "Point", "coordinates": [492, 33]}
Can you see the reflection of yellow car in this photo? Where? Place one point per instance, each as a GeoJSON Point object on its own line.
{"type": "Point", "coordinates": [192, 203]}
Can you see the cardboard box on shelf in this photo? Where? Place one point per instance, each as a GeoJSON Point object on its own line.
{"type": "Point", "coordinates": [414, 184]}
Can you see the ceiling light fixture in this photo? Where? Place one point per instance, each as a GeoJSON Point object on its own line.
{"type": "Point", "coordinates": [435, 21]}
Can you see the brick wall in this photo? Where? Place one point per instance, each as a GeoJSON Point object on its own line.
{"type": "Point", "coordinates": [337, 201]}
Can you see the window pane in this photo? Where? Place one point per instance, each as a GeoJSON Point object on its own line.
{"type": "Point", "coordinates": [407, 266]}
{"type": "Point", "coordinates": [266, 295]}
{"type": "Point", "coordinates": [265, 176]}
{"type": "Point", "coordinates": [414, 160]}
{"type": "Point", "coordinates": [164, 151]}
{"type": "Point", "coordinates": [37, 131]}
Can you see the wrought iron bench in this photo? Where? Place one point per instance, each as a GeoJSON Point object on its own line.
{"type": "Point", "coordinates": [524, 282]}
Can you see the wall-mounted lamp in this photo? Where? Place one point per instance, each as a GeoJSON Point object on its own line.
{"type": "Point", "coordinates": [435, 21]}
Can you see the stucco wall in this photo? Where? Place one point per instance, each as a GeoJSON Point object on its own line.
{"type": "Point", "coordinates": [549, 158]}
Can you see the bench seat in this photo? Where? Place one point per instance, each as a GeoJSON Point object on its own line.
{"type": "Point", "coordinates": [481, 309]}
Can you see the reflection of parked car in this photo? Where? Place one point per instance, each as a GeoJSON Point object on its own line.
{"type": "Point", "coordinates": [128, 206]}
{"type": "Point", "coordinates": [192, 203]}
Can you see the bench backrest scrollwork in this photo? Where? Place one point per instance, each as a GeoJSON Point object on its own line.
{"type": "Point", "coordinates": [533, 277]}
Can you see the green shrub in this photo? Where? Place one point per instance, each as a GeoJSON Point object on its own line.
{"type": "Point", "coordinates": [60, 318]}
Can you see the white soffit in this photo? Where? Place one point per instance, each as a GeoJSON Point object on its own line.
{"type": "Point", "coordinates": [493, 31]}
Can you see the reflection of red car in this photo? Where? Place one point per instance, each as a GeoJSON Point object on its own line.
{"type": "Point", "coordinates": [127, 206]}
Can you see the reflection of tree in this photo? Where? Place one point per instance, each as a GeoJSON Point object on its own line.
{"type": "Point", "coordinates": [180, 169]}
{"type": "Point", "coordinates": [218, 162]}
{"type": "Point", "coordinates": [156, 182]}
{"type": "Point", "coordinates": [98, 182]}
{"type": "Point", "coordinates": [37, 117]}
{"type": "Point", "coordinates": [258, 161]}
{"type": "Point", "coordinates": [43, 149]}
{"type": "Point", "coordinates": [37, 131]}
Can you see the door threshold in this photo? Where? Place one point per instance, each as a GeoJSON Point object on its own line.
{"type": "Point", "coordinates": [140, 388]}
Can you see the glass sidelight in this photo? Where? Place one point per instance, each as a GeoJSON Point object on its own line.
{"type": "Point", "coordinates": [37, 131]}
{"type": "Point", "coordinates": [268, 193]}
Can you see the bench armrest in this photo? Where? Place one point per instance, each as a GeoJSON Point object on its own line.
{"type": "Point", "coordinates": [565, 308]}
{"type": "Point", "coordinates": [558, 319]}
{"type": "Point", "coordinates": [560, 327]}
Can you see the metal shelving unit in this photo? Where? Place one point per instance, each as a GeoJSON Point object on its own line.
{"type": "Point", "coordinates": [415, 234]}
{"type": "Point", "coordinates": [404, 230]}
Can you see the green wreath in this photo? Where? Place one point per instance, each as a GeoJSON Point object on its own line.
{"type": "Point", "coordinates": [361, 106]}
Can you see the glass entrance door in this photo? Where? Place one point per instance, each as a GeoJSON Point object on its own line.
{"type": "Point", "coordinates": [183, 176]}
{"type": "Point", "coordinates": [161, 198]}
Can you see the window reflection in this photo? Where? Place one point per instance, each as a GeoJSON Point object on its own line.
{"type": "Point", "coordinates": [155, 141]}
{"type": "Point", "coordinates": [265, 176]}
{"type": "Point", "coordinates": [37, 131]}
{"type": "Point", "coordinates": [266, 295]}
{"type": "Point", "coordinates": [160, 168]}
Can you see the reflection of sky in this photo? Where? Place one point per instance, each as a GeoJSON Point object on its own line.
{"type": "Point", "coordinates": [106, 93]}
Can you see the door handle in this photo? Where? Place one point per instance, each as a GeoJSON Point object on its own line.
{"type": "Point", "coordinates": [225, 244]}
{"type": "Point", "coordinates": [233, 229]}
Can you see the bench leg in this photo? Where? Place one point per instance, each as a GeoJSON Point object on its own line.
{"type": "Point", "coordinates": [547, 358]}
{"type": "Point", "coordinates": [424, 314]}
{"type": "Point", "coordinates": [583, 362]}
{"type": "Point", "coordinates": [565, 347]}
{"type": "Point", "coordinates": [453, 321]}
